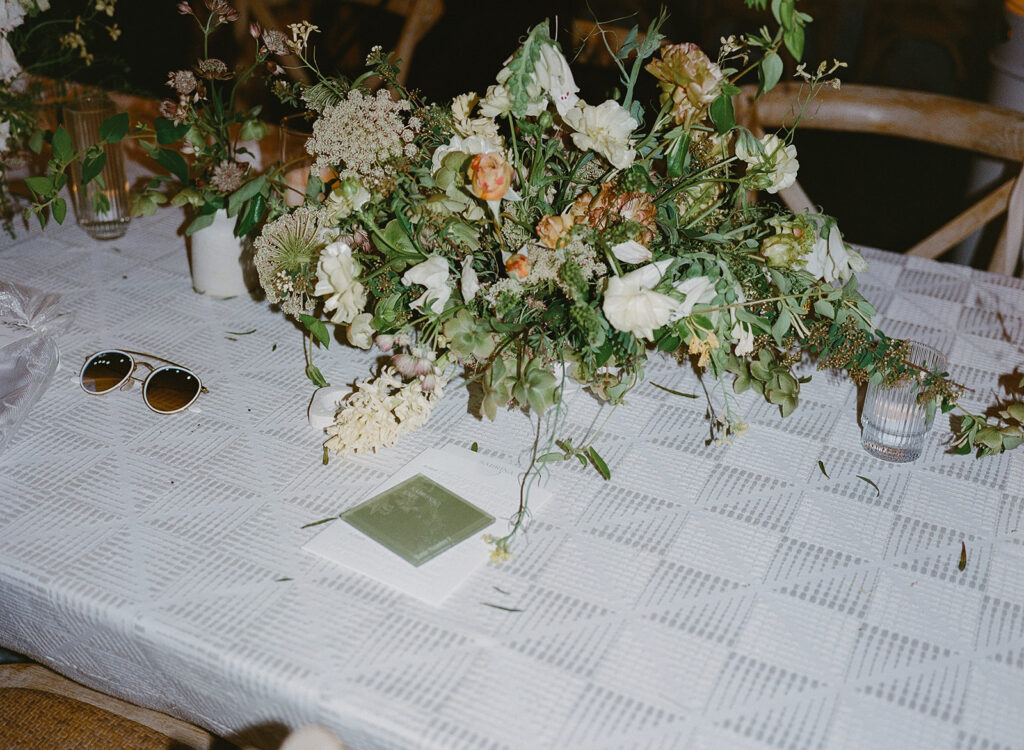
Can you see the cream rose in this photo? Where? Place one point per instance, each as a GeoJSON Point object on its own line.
{"type": "Point", "coordinates": [605, 129]}
{"type": "Point", "coordinates": [336, 275]}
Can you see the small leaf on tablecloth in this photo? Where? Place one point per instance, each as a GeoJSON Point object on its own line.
{"type": "Point", "coordinates": [474, 447]}
{"type": "Point", "coordinates": [503, 609]}
{"type": "Point", "coordinates": [317, 523]}
{"type": "Point", "coordinates": [822, 467]}
{"type": "Point", "coordinates": [877, 491]}
{"type": "Point", "coordinates": [599, 464]}
{"type": "Point", "coordinates": [963, 556]}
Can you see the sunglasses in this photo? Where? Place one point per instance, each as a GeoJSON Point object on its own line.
{"type": "Point", "coordinates": [167, 389]}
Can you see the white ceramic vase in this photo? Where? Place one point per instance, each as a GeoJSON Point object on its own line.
{"type": "Point", "coordinates": [221, 263]}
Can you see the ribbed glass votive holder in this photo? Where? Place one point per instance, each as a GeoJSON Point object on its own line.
{"type": "Point", "coordinates": [895, 425]}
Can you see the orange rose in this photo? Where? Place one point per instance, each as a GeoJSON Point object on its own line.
{"type": "Point", "coordinates": [518, 265]}
{"type": "Point", "coordinates": [551, 229]}
{"type": "Point", "coordinates": [490, 176]}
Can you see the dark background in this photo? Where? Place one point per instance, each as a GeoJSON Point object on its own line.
{"type": "Point", "coordinates": [885, 192]}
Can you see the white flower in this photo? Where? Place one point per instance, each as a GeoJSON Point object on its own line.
{"type": "Point", "coordinates": [474, 144]}
{"type": "Point", "coordinates": [631, 251]}
{"type": "Point", "coordinates": [360, 332]}
{"type": "Point", "coordinates": [744, 338]}
{"type": "Point", "coordinates": [470, 284]}
{"type": "Point", "coordinates": [631, 305]}
{"type": "Point", "coordinates": [12, 15]}
{"type": "Point", "coordinates": [830, 259]}
{"type": "Point", "coordinates": [9, 68]}
{"type": "Point", "coordinates": [605, 129]}
{"type": "Point", "coordinates": [5, 134]}
{"type": "Point", "coordinates": [553, 74]}
{"type": "Point", "coordinates": [336, 274]}
{"type": "Point", "coordinates": [696, 291]}
{"type": "Point", "coordinates": [778, 165]}
{"type": "Point", "coordinates": [496, 101]}
{"type": "Point", "coordinates": [465, 126]}
{"type": "Point", "coordinates": [433, 274]}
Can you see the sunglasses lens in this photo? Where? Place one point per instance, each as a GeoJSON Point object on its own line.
{"type": "Point", "coordinates": [106, 371]}
{"type": "Point", "coordinates": [171, 389]}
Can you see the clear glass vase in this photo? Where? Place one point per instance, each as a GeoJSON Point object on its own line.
{"type": "Point", "coordinates": [895, 424]}
{"type": "Point", "coordinates": [101, 205]}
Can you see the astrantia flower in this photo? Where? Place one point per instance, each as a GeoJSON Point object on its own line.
{"type": "Point", "coordinates": [286, 249]}
{"type": "Point", "coordinates": [336, 280]}
{"type": "Point", "coordinates": [275, 41]}
{"type": "Point", "coordinates": [182, 81]}
{"type": "Point", "coordinates": [605, 129]}
{"type": "Point", "coordinates": [171, 111]}
{"type": "Point", "coordinates": [214, 69]}
{"type": "Point", "coordinates": [227, 176]}
{"type": "Point", "coordinates": [772, 171]}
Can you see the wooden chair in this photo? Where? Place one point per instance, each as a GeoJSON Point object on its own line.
{"type": "Point", "coordinates": [420, 16]}
{"type": "Point", "coordinates": [40, 710]}
{"type": "Point", "coordinates": [979, 128]}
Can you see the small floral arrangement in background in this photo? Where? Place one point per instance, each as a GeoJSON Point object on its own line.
{"type": "Point", "coordinates": [219, 138]}
{"type": "Point", "coordinates": [56, 43]}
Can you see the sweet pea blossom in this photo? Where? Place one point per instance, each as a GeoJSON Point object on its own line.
{"type": "Point", "coordinates": [830, 259]}
{"type": "Point", "coordinates": [605, 129]}
{"type": "Point", "coordinates": [469, 283]}
{"type": "Point", "coordinates": [433, 274]}
{"type": "Point", "coordinates": [773, 171]}
{"type": "Point", "coordinates": [360, 331]}
{"type": "Point", "coordinates": [698, 290]}
{"type": "Point", "coordinates": [632, 305]}
{"type": "Point", "coordinates": [631, 251]}
{"type": "Point", "coordinates": [336, 274]}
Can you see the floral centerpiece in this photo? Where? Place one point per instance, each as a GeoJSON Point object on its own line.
{"type": "Point", "coordinates": [526, 236]}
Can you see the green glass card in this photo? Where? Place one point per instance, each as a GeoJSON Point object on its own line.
{"type": "Point", "coordinates": [418, 519]}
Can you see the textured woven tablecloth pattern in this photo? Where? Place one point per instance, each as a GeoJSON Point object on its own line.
{"type": "Point", "coordinates": [705, 597]}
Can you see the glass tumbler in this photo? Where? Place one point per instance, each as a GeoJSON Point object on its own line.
{"type": "Point", "coordinates": [895, 425]}
{"type": "Point", "coordinates": [295, 131]}
{"type": "Point", "coordinates": [101, 205]}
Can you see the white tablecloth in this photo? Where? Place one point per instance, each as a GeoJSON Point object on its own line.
{"type": "Point", "coordinates": [705, 597]}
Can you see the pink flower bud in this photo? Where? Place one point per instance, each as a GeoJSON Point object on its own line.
{"type": "Point", "coordinates": [255, 30]}
{"type": "Point", "coordinates": [405, 364]}
{"type": "Point", "coordinates": [429, 382]}
{"type": "Point", "coordinates": [384, 342]}
{"type": "Point", "coordinates": [185, 9]}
